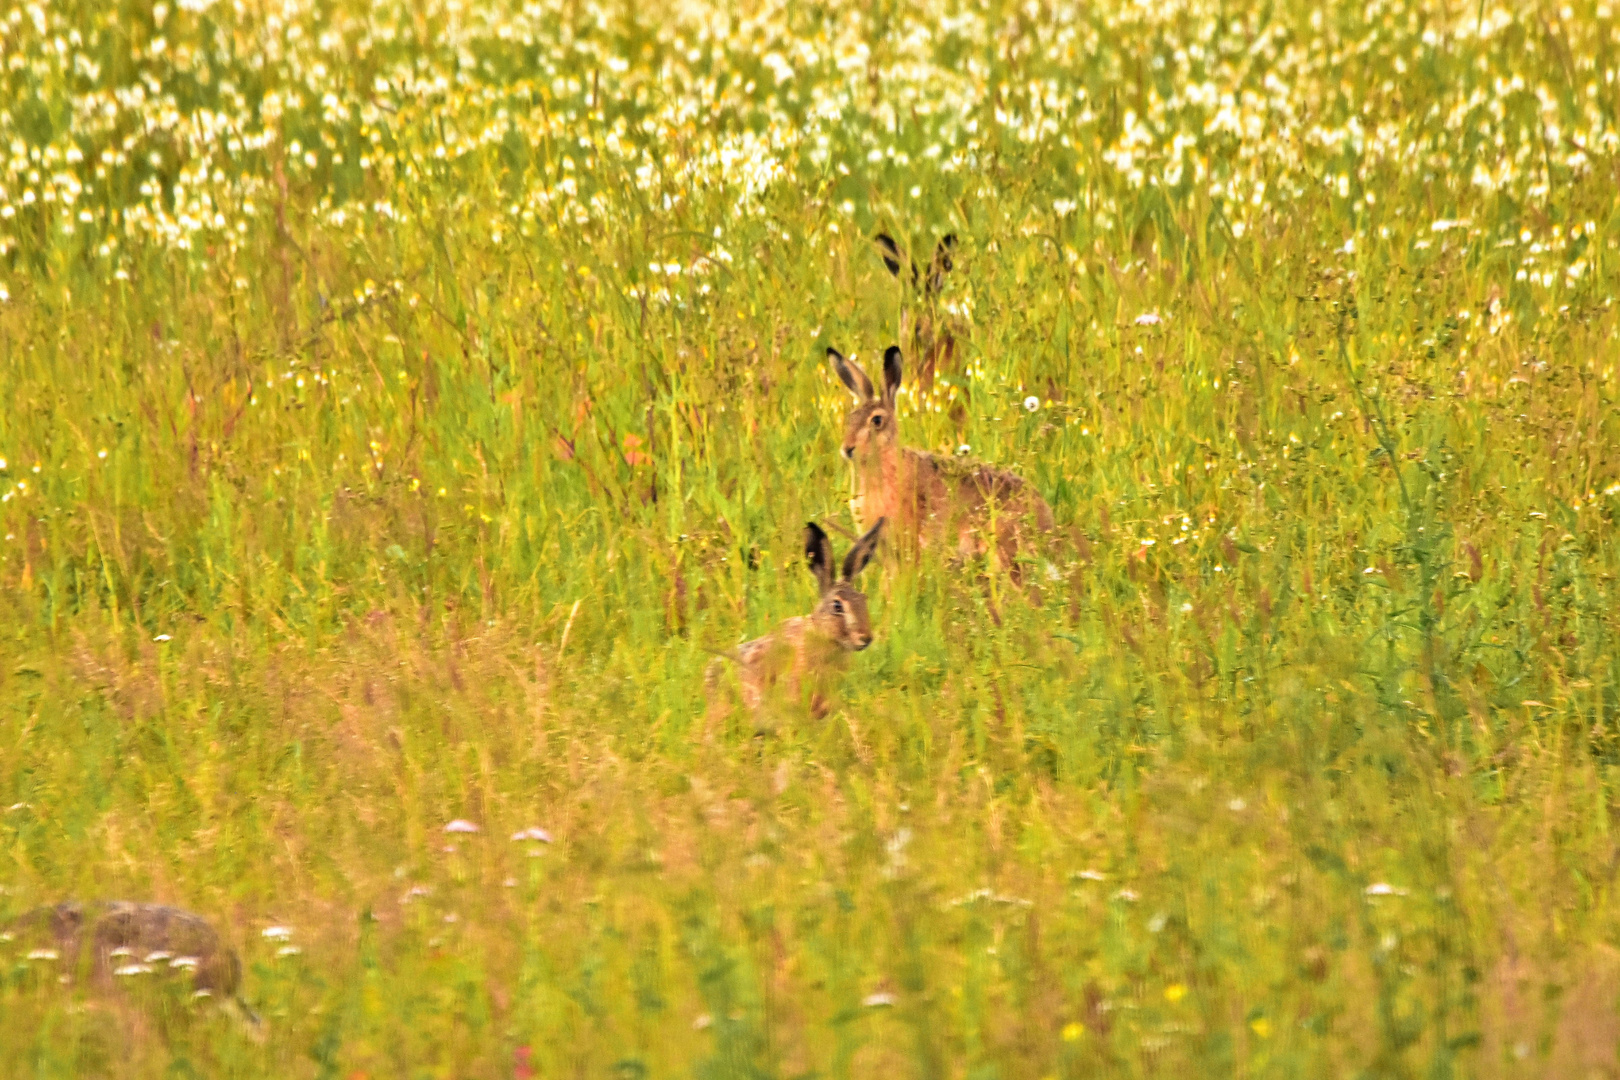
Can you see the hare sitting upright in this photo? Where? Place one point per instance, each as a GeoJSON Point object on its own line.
{"type": "Point", "coordinates": [801, 656]}
{"type": "Point", "coordinates": [931, 499]}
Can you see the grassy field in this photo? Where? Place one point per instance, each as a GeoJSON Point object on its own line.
{"type": "Point", "coordinates": [401, 404]}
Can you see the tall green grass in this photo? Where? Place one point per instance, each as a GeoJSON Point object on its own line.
{"type": "Point", "coordinates": [408, 398]}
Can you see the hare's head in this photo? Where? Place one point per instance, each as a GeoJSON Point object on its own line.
{"type": "Point", "coordinates": [67, 920]}
{"type": "Point", "coordinates": [842, 614]}
{"type": "Point", "coordinates": [870, 426]}
{"type": "Point", "coordinates": [929, 285]}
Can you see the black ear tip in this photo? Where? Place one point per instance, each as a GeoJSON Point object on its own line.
{"type": "Point", "coordinates": [891, 355]}
{"type": "Point", "coordinates": [948, 240]}
{"type": "Point", "coordinates": [891, 252]}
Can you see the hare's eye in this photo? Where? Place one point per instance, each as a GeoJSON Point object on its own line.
{"type": "Point", "coordinates": [877, 420]}
{"type": "Point", "coordinates": [838, 607]}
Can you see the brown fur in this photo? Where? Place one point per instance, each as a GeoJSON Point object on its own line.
{"type": "Point", "coordinates": [122, 932]}
{"type": "Point", "coordinates": [955, 505]}
{"type": "Point", "coordinates": [802, 655]}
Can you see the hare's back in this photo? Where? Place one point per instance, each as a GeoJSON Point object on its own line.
{"type": "Point", "coordinates": [974, 485]}
{"type": "Point", "coordinates": [157, 928]}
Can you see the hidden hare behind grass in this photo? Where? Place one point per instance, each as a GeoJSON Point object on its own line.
{"type": "Point", "coordinates": [128, 938]}
{"type": "Point", "coordinates": [797, 663]}
{"type": "Point", "coordinates": [965, 508]}
{"type": "Point", "coordinates": [931, 332]}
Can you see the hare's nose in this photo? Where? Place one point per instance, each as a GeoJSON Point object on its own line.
{"type": "Point", "coordinates": [849, 452]}
{"type": "Point", "coordinates": [862, 642]}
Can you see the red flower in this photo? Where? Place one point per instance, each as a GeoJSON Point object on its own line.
{"type": "Point", "coordinates": [632, 455]}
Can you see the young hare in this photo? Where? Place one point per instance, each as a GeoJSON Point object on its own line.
{"type": "Point", "coordinates": [801, 656]}
{"type": "Point", "coordinates": [930, 333]}
{"type": "Point", "coordinates": [932, 499]}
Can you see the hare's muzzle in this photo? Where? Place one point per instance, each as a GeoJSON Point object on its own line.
{"type": "Point", "coordinates": [862, 642]}
{"type": "Point", "coordinates": [849, 452]}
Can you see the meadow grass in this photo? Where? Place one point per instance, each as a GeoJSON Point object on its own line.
{"type": "Point", "coordinates": [402, 402]}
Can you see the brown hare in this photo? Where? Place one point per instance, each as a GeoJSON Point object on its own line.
{"type": "Point", "coordinates": [930, 332]}
{"type": "Point", "coordinates": [127, 937]}
{"type": "Point", "coordinates": [801, 656]}
{"type": "Point", "coordinates": [934, 501]}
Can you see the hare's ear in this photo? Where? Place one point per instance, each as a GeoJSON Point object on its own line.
{"type": "Point", "coordinates": [942, 263]}
{"type": "Point", "coordinates": [891, 253]}
{"type": "Point", "coordinates": [892, 257]}
{"type": "Point", "coordinates": [819, 554]}
{"type": "Point", "coordinates": [850, 374]}
{"type": "Point", "coordinates": [891, 373]}
{"type": "Point", "coordinates": [861, 553]}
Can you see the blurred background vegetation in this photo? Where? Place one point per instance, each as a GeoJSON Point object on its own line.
{"type": "Point", "coordinates": [403, 398]}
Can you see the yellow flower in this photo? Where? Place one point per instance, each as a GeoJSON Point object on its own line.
{"type": "Point", "coordinates": [1174, 992]}
{"type": "Point", "coordinates": [1261, 1027]}
{"type": "Point", "coordinates": [1073, 1030]}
